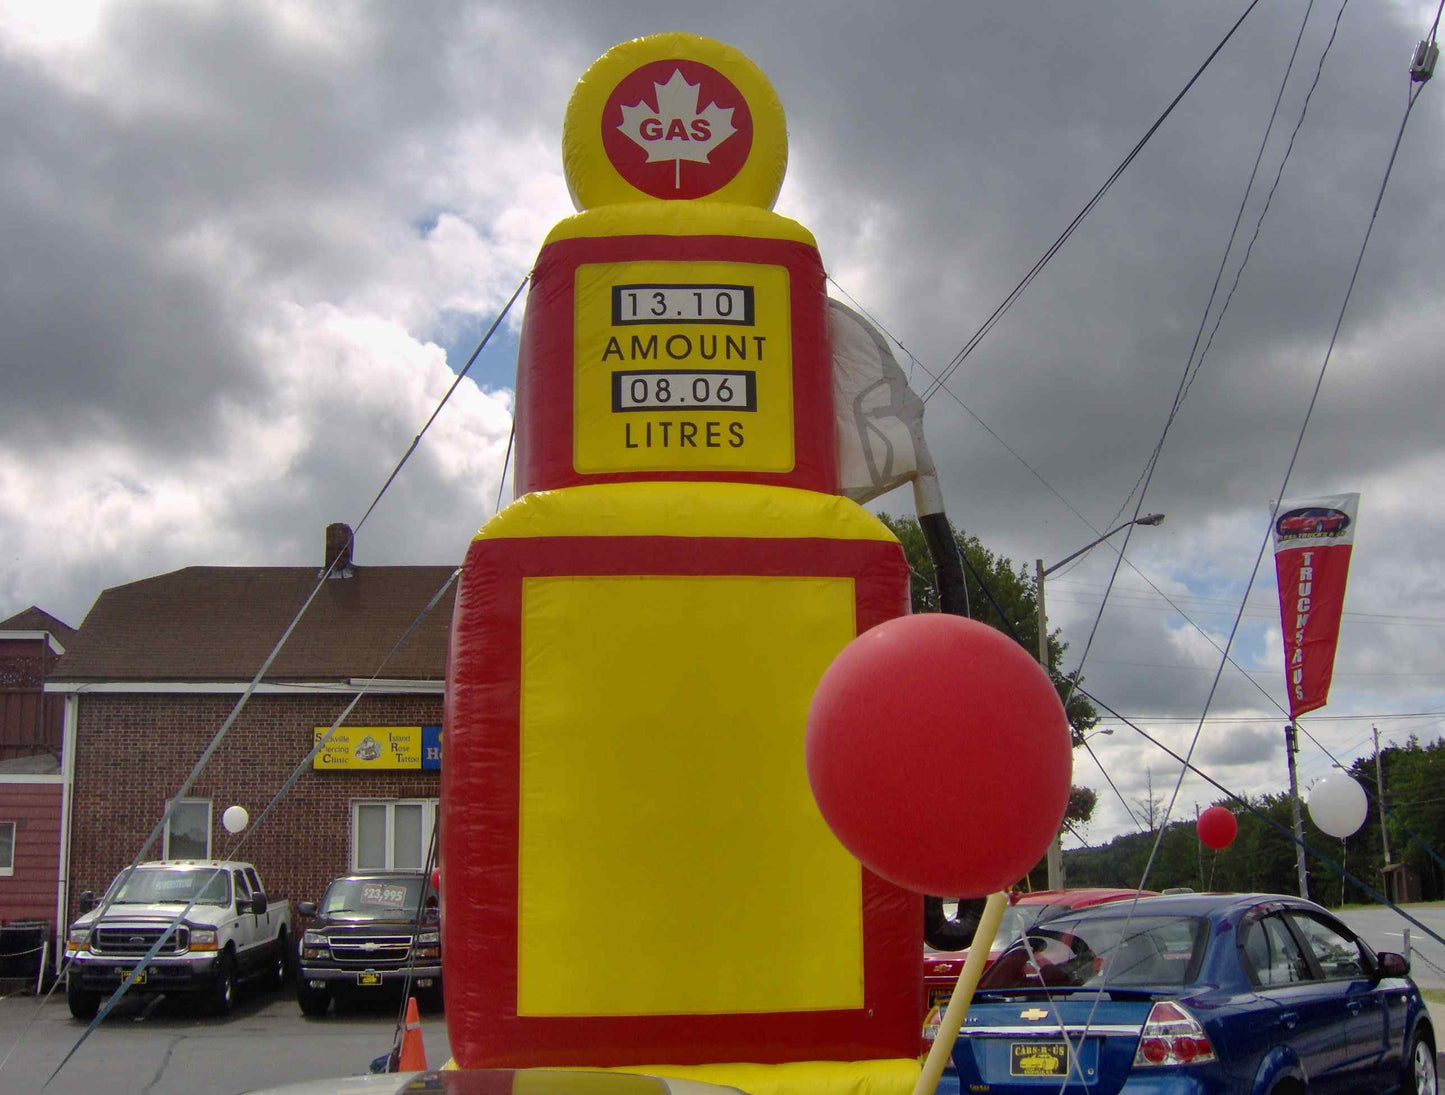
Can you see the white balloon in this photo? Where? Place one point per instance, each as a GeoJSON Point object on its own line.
{"type": "Point", "coordinates": [235, 818]}
{"type": "Point", "coordinates": [1338, 805]}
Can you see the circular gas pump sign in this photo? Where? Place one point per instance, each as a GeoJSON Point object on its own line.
{"type": "Point", "coordinates": [674, 117]}
{"type": "Point", "coordinates": [677, 129]}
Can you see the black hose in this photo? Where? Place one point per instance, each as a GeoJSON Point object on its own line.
{"type": "Point", "coordinates": [939, 931]}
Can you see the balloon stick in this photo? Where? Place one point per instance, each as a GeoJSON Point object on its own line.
{"type": "Point", "coordinates": [953, 1015]}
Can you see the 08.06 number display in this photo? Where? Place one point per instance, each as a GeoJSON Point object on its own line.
{"type": "Point", "coordinates": [685, 389]}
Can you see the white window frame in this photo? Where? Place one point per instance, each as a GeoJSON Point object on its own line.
{"type": "Point", "coordinates": [166, 847]}
{"type": "Point", "coordinates": [8, 868]}
{"type": "Point", "coordinates": [431, 813]}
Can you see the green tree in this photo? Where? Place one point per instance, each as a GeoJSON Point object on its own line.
{"type": "Point", "coordinates": [1006, 600]}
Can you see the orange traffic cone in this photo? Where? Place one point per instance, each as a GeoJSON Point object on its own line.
{"type": "Point", "coordinates": [413, 1053]}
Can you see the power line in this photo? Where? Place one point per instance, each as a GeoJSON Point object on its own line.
{"type": "Point", "coordinates": [1008, 302]}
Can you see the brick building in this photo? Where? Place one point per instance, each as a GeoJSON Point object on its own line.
{"type": "Point", "coordinates": [34, 781]}
{"type": "Point", "coordinates": [159, 666]}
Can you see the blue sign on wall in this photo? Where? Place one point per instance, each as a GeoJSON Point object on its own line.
{"type": "Point", "coordinates": [431, 747]}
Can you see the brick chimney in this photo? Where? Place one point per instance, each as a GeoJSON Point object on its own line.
{"type": "Point", "coordinates": [338, 548]}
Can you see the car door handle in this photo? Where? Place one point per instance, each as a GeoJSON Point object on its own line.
{"type": "Point", "coordinates": [1354, 1006]}
{"type": "Point", "coordinates": [1289, 1019]}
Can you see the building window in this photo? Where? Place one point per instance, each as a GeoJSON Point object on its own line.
{"type": "Point", "coordinates": [188, 836]}
{"type": "Point", "coordinates": [392, 836]}
{"type": "Point", "coordinates": [7, 847]}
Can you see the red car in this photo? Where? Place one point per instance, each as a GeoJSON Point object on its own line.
{"type": "Point", "coordinates": [941, 968]}
{"type": "Point", "coordinates": [1312, 519]}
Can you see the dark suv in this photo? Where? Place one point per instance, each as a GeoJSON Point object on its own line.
{"type": "Point", "coordinates": [370, 933]}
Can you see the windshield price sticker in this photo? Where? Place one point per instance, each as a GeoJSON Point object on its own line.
{"type": "Point", "coordinates": [679, 390]}
{"type": "Point", "coordinates": [682, 366]}
{"type": "Point", "coordinates": [731, 304]}
{"type": "Point", "coordinates": [378, 894]}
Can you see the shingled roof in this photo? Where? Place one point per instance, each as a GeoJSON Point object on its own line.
{"type": "Point", "coordinates": [219, 624]}
{"type": "Point", "coordinates": [37, 619]}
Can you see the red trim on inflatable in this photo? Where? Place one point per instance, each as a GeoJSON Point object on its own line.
{"type": "Point", "coordinates": [544, 364]}
{"type": "Point", "coordinates": [482, 803]}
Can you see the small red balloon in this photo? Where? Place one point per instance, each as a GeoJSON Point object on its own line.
{"type": "Point", "coordinates": [939, 755]}
{"type": "Point", "coordinates": [436, 879]}
{"type": "Point", "coordinates": [1217, 828]}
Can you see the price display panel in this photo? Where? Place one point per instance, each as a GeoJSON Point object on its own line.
{"type": "Point", "coordinates": [683, 366]}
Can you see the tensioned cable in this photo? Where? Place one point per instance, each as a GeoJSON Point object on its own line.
{"type": "Point", "coordinates": [1191, 363]}
{"type": "Point", "coordinates": [1008, 302]}
{"type": "Point", "coordinates": [1244, 802]}
{"type": "Point", "coordinates": [245, 696]}
{"type": "Point", "coordinates": [1289, 470]}
{"type": "Point", "coordinates": [1179, 394]}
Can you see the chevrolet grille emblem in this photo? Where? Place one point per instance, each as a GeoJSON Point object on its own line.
{"type": "Point", "coordinates": [1034, 1013]}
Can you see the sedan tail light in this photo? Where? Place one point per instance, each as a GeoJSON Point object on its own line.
{"type": "Point", "coordinates": [1171, 1036]}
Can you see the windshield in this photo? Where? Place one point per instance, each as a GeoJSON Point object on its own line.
{"type": "Point", "coordinates": [395, 897]}
{"type": "Point", "coordinates": [174, 886]}
{"type": "Point", "coordinates": [1101, 951]}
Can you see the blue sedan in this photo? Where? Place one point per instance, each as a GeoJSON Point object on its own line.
{"type": "Point", "coordinates": [1197, 993]}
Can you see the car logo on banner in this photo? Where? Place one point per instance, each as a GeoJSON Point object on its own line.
{"type": "Point", "coordinates": [677, 129]}
{"type": "Point", "coordinates": [1311, 521]}
{"type": "Point", "coordinates": [1034, 1013]}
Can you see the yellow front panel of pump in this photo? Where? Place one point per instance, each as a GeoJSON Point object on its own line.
{"type": "Point", "coordinates": [682, 366]}
{"type": "Point", "coordinates": [672, 860]}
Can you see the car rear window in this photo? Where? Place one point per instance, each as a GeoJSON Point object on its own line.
{"type": "Point", "coordinates": [1099, 951]}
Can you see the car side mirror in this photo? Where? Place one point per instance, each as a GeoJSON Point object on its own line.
{"type": "Point", "coordinates": [1392, 964]}
{"type": "Point", "coordinates": [306, 908]}
{"type": "Point", "coordinates": [258, 903]}
{"type": "Point", "coordinates": [86, 902]}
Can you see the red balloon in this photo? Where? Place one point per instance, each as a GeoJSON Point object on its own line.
{"type": "Point", "coordinates": [1217, 827]}
{"type": "Point", "coordinates": [939, 755]}
{"type": "Point", "coordinates": [436, 879]}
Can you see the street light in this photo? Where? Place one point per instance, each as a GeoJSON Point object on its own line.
{"type": "Point", "coordinates": [1056, 849]}
{"type": "Point", "coordinates": [1095, 734]}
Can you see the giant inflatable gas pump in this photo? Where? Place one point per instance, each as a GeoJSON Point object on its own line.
{"type": "Point", "coordinates": [636, 873]}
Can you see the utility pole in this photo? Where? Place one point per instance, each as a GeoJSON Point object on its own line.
{"type": "Point", "coordinates": [1055, 857]}
{"type": "Point", "coordinates": [1380, 805]}
{"type": "Point", "coordinates": [1291, 747]}
{"type": "Point", "coordinates": [1199, 847]}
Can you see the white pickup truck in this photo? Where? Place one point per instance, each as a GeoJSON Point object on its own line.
{"type": "Point", "coordinates": [231, 931]}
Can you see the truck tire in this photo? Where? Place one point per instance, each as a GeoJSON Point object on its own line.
{"type": "Point", "coordinates": [83, 1004]}
{"type": "Point", "coordinates": [222, 993]}
{"type": "Point", "coordinates": [281, 961]}
{"type": "Point", "coordinates": [313, 1001]}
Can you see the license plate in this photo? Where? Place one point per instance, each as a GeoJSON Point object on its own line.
{"type": "Point", "coordinates": [369, 978]}
{"type": "Point", "coordinates": [1038, 1058]}
{"type": "Point", "coordinates": [140, 978]}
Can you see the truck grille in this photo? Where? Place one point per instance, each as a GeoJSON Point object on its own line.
{"type": "Point", "coordinates": [138, 940]}
{"type": "Point", "coordinates": [369, 951]}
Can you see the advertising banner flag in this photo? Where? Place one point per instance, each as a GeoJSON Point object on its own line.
{"type": "Point", "coordinates": [1312, 542]}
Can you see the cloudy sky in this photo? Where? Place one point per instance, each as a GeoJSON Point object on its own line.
{"type": "Point", "coordinates": [247, 245]}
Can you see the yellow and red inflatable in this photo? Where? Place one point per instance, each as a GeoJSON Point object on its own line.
{"type": "Point", "coordinates": [636, 873]}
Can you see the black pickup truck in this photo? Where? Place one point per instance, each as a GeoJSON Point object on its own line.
{"type": "Point", "coordinates": [369, 934]}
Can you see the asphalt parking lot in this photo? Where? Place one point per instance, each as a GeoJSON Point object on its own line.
{"type": "Point", "coordinates": [160, 1046]}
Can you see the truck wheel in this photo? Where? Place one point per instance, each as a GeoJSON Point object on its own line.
{"type": "Point", "coordinates": [83, 1005]}
{"type": "Point", "coordinates": [312, 1001]}
{"type": "Point", "coordinates": [222, 993]}
{"type": "Point", "coordinates": [281, 962]}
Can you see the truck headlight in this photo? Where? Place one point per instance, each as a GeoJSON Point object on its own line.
{"type": "Point", "coordinates": [428, 937]}
{"type": "Point", "coordinates": [313, 939]}
{"type": "Point", "coordinates": [77, 939]}
{"type": "Point", "coordinates": [203, 939]}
